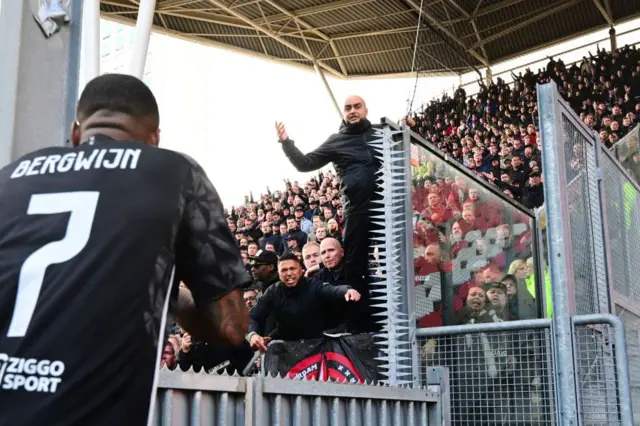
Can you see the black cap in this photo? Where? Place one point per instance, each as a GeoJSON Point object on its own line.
{"type": "Point", "coordinates": [534, 174]}
{"type": "Point", "coordinates": [497, 284]}
{"type": "Point", "coordinates": [300, 209]}
{"type": "Point", "coordinates": [265, 257]}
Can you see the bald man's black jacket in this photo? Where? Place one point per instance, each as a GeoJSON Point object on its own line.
{"type": "Point", "coordinates": [335, 314]}
{"type": "Point", "coordinates": [353, 158]}
{"type": "Point", "coordinates": [298, 310]}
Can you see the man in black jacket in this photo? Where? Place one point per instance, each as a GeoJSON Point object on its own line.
{"type": "Point", "coordinates": [356, 164]}
{"type": "Point", "coordinates": [296, 303]}
{"type": "Point", "coordinates": [332, 273]}
{"type": "Point", "coordinates": [264, 268]}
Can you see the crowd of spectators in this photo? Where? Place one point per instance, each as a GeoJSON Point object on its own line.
{"type": "Point", "coordinates": [473, 251]}
{"type": "Point", "coordinates": [495, 133]}
{"type": "Point", "coordinates": [467, 239]}
{"type": "Point", "coordinates": [298, 221]}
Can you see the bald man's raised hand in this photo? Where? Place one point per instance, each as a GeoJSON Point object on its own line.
{"type": "Point", "coordinates": [281, 131]}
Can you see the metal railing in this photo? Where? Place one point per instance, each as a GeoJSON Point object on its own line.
{"type": "Point", "coordinates": [602, 370]}
{"type": "Point", "coordinates": [570, 145]}
{"type": "Point", "coordinates": [188, 398]}
{"type": "Point", "coordinates": [505, 373]}
{"type": "Point", "coordinates": [590, 199]}
{"type": "Point", "coordinates": [500, 373]}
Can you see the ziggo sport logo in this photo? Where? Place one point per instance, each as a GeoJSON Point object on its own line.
{"type": "Point", "coordinates": [29, 374]}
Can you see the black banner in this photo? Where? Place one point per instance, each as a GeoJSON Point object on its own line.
{"type": "Point", "coordinates": [338, 359]}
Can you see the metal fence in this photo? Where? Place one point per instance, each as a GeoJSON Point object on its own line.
{"type": "Point", "coordinates": [499, 373]}
{"type": "Point", "coordinates": [602, 379]}
{"type": "Point", "coordinates": [208, 399]}
{"type": "Point", "coordinates": [624, 149]}
{"type": "Point", "coordinates": [590, 198]}
{"type": "Point", "coordinates": [568, 142]}
{"type": "Point", "coordinates": [505, 373]}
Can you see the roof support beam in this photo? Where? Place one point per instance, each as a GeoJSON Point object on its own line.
{"type": "Point", "coordinates": [606, 13]}
{"type": "Point", "coordinates": [306, 25]}
{"type": "Point", "coordinates": [171, 4]}
{"type": "Point", "coordinates": [434, 22]}
{"type": "Point", "coordinates": [496, 7]}
{"type": "Point", "coordinates": [345, 36]}
{"type": "Point", "coordinates": [276, 37]}
{"type": "Point", "coordinates": [307, 11]}
{"type": "Point", "coordinates": [223, 20]}
{"type": "Point", "coordinates": [472, 21]}
{"type": "Point", "coordinates": [328, 89]}
{"type": "Point", "coordinates": [537, 16]}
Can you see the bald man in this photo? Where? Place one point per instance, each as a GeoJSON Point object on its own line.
{"type": "Point", "coordinates": [332, 273]}
{"type": "Point", "coordinates": [356, 164]}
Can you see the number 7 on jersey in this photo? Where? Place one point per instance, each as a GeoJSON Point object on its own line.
{"type": "Point", "coordinates": [82, 206]}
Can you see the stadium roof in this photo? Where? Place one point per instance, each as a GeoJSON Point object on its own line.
{"type": "Point", "coordinates": [357, 38]}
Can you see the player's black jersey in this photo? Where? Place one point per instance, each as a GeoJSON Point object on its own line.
{"type": "Point", "coordinates": [90, 239]}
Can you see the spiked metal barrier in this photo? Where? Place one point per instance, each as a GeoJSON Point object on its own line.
{"type": "Point", "coordinates": [387, 279]}
{"type": "Point", "coordinates": [190, 398]}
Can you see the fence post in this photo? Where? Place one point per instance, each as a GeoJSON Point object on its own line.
{"type": "Point", "coordinates": [606, 239]}
{"type": "Point", "coordinates": [558, 249]}
{"type": "Point", "coordinates": [410, 298]}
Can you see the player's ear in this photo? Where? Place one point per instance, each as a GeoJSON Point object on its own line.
{"type": "Point", "coordinates": [154, 138]}
{"type": "Point", "coordinates": [75, 133]}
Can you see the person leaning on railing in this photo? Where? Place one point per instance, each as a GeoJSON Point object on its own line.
{"type": "Point", "coordinates": [296, 303]}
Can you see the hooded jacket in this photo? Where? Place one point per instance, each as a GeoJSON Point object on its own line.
{"type": "Point", "coordinates": [353, 158]}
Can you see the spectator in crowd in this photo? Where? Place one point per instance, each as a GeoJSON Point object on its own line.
{"type": "Point", "coordinates": [250, 297]}
{"type": "Point", "coordinates": [311, 259]}
{"type": "Point", "coordinates": [356, 163]}
{"type": "Point", "coordinates": [296, 303]}
{"type": "Point", "coordinates": [264, 270]}
{"type": "Point", "coordinates": [304, 224]}
{"type": "Point", "coordinates": [294, 237]}
{"type": "Point", "coordinates": [168, 356]}
{"type": "Point", "coordinates": [332, 255]}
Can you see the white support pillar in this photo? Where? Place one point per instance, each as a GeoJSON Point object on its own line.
{"type": "Point", "coordinates": [143, 34]}
{"type": "Point", "coordinates": [90, 40]}
{"type": "Point", "coordinates": [613, 39]}
{"type": "Point", "coordinates": [38, 79]}
{"type": "Point", "coordinates": [329, 91]}
{"type": "Point", "coordinates": [488, 76]}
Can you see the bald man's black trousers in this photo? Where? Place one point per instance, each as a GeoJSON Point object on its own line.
{"type": "Point", "coordinates": [356, 236]}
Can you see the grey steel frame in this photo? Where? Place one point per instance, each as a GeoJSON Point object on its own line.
{"type": "Point", "coordinates": [200, 398]}
{"type": "Point", "coordinates": [409, 296]}
{"type": "Point", "coordinates": [559, 252]}
{"type": "Point", "coordinates": [615, 297]}
{"type": "Point", "coordinates": [38, 79]}
{"type": "Point", "coordinates": [621, 360]}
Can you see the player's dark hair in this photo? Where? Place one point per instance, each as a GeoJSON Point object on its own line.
{"type": "Point", "coordinates": [289, 256]}
{"type": "Point", "coordinates": [118, 93]}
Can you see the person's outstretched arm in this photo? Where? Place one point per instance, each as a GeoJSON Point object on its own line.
{"type": "Point", "coordinates": [208, 261]}
{"type": "Point", "coordinates": [314, 160]}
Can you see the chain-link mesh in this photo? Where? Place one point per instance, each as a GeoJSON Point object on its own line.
{"type": "Point", "coordinates": [498, 378]}
{"type": "Point", "coordinates": [584, 219]}
{"type": "Point", "coordinates": [622, 205]}
{"type": "Point", "coordinates": [596, 375]}
{"type": "Point", "coordinates": [626, 148]}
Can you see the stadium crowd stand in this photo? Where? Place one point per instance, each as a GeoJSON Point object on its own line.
{"type": "Point", "coordinates": [465, 237]}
